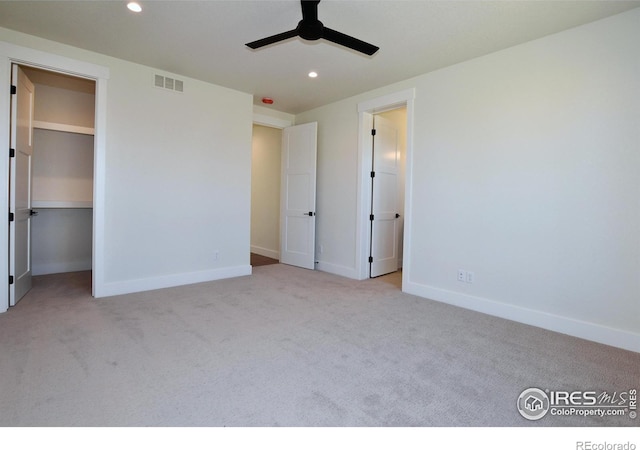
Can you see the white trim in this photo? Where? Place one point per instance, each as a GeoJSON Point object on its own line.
{"type": "Point", "coordinates": [387, 102]}
{"type": "Point", "coordinates": [166, 281]}
{"type": "Point", "coordinates": [336, 269]}
{"type": "Point", "coordinates": [60, 267]}
{"type": "Point", "coordinates": [275, 254]}
{"type": "Point", "coordinates": [585, 330]}
{"type": "Point", "coordinates": [366, 110]}
{"type": "Point", "coordinates": [5, 100]}
{"type": "Point", "coordinates": [268, 121]}
{"type": "Point", "coordinates": [99, 189]}
{"type": "Point", "coordinates": [10, 53]}
{"type": "Point", "coordinates": [52, 62]}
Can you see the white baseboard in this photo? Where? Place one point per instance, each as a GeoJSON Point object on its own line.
{"type": "Point", "coordinates": [586, 330]}
{"type": "Point", "coordinates": [60, 267]}
{"type": "Point", "coordinates": [148, 284]}
{"type": "Point", "coordinates": [348, 272]}
{"type": "Point", "coordinates": [275, 254]}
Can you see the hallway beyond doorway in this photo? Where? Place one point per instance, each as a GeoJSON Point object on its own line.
{"type": "Point", "coordinates": [259, 260]}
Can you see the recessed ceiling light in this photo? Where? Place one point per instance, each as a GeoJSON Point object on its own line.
{"type": "Point", "coordinates": [134, 6]}
{"type": "Point", "coordinates": [312, 74]}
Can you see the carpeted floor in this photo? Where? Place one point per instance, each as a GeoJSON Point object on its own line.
{"type": "Point", "coordinates": [283, 347]}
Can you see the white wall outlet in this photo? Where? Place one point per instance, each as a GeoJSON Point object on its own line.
{"type": "Point", "coordinates": [462, 275]}
{"type": "Point", "coordinates": [216, 255]}
{"type": "Point", "coordinates": [470, 277]}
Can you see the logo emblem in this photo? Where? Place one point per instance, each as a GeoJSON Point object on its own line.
{"type": "Point", "coordinates": [533, 404]}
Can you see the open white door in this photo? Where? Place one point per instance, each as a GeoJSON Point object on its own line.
{"type": "Point", "coordinates": [384, 205]}
{"type": "Point", "coordinates": [298, 195]}
{"type": "Point", "coordinates": [20, 186]}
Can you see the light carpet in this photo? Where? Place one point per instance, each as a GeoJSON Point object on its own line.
{"type": "Point", "coordinates": [283, 347]}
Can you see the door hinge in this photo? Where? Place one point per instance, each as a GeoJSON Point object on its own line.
{"type": "Point", "coordinates": [373, 132]}
{"type": "Point", "coordinates": [14, 90]}
{"type": "Point", "coordinates": [373, 174]}
{"type": "Point", "coordinates": [10, 279]}
{"type": "Point", "coordinates": [10, 217]}
{"type": "Point", "coordinates": [370, 216]}
{"type": "Point", "coordinates": [370, 259]}
{"type": "Point", "coordinates": [12, 153]}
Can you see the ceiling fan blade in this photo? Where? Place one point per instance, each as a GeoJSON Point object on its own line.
{"type": "Point", "coordinates": [342, 39]}
{"type": "Point", "coordinates": [272, 39]}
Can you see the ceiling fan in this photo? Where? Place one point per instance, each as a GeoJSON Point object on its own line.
{"type": "Point", "coordinates": [311, 29]}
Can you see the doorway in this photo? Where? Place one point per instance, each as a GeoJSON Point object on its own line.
{"type": "Point", "coordinates": [14, 54]}
{"type": "Point", "coordinates": [367, 110]}
{"type": "Point", "coordinates": [386, 217]}
{"type": "Point", "coordinates": [55, 182]}
{"type": "Point", "coordinates": [265, 194]}
{"type": "Point", "coordinates": [283, 182]}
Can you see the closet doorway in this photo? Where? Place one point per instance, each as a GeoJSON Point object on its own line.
{"type": "Point", "coordinates": [61, 175]}
{"type": "Point", "coordinates": [399, 104]}
{"type": "Point", "coordinates": [388, 161]}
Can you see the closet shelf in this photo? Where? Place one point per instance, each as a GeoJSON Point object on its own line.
{"type": "Point", "coordinates": [60, 205]}
{"type": "Point", "coordinates": [62, 127]}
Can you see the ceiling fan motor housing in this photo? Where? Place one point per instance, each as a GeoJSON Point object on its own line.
{"type": "Point", "coordinates": [310, 30]}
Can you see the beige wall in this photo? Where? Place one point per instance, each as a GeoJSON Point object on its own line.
{"type": "Point", "coordinates": [265, 191]}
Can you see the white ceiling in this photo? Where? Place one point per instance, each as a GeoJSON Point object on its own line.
{"type": "Point", "coordinates": [205, 39]}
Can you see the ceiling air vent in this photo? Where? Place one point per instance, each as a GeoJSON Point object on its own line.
{"type": "Point", "coordinates": [168, 83]}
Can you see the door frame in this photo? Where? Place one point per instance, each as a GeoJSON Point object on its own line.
{"type": "Point", "coordinates": [14, 54]}
{"type": "Point", "coordinates": [272, 122]}
{"type": "Point", "coordinates": [366, 110]}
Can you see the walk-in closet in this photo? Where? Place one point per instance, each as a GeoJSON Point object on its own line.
{"type": "Point", "coordinates": [62, 172]}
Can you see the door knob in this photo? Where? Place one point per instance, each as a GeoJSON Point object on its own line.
{"type": "Point", "coordinates": [310, 214]}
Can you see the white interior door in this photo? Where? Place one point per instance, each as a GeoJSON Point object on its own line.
{"type": "Point", "coordinates": [384, 202]}
{"type": "Point", "coordinates": [20, 186]}
{"type": "Point", "coordinates": [298, 195]}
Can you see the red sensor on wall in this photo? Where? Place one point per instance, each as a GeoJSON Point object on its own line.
{"type": "Point", "coordinates": [267, 101]}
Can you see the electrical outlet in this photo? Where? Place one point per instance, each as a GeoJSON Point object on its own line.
{"type": "Point", "coordinates": [215, 255]}
{"type": "Point", "coordinates": [470, 277]}
{"type": "Point", "coordinates": [462, 275]}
